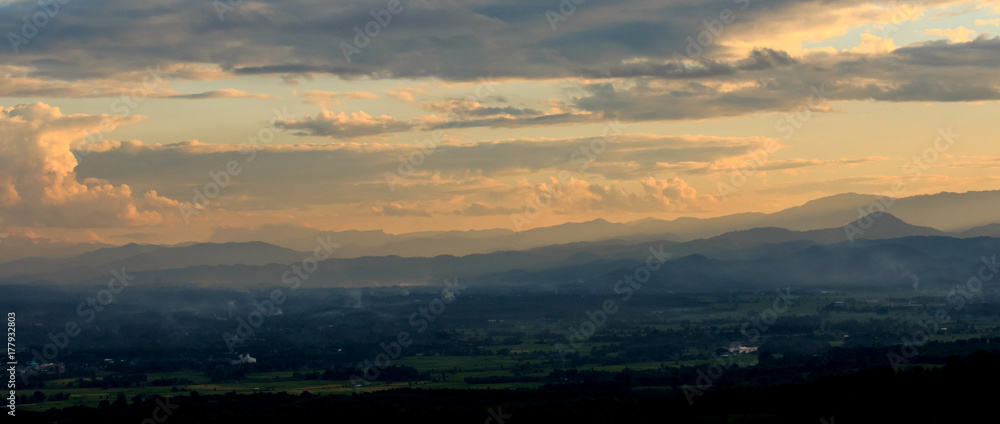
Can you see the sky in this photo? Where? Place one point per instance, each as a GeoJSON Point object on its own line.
{"type": "Point", "coordinates": [162, 121]}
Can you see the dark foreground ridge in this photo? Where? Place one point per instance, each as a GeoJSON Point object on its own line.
{"type": "Point", "coordinates": [958, 390]}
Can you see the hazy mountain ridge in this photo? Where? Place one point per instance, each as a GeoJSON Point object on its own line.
{"type": "Point", "coordinates": [136, 257]}
{"type": "Point", "coordinates": [936, 212]}
{"type": "Point", "coordinates": [887, 247]}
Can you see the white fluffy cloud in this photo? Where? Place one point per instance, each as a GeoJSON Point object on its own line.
{"type": "Point", "coordinates": [38, 183]}
{"type": "Point", "coordinates": [652, 196]}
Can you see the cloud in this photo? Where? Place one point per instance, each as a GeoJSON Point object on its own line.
{"type": "Point", "coordinates": [752, 161]}
{"type": "Point", "coordinates": [479, 209]}
{"type": "Point", "coordinates": [649, 195]}
{"type": "Point", "coordinates": [775, 165]}
{"type": "Point", "coordinates": [470, 113]}
{"type": "Point", "coordinates": [38, 184]}
{"type": "Point", "coordinates": [26, 81]}
{"type": "Point", "coordinates": [975, 162]}
{"type": "Point", "coordinates": [873, 44]}
{"type": "Point", "coordinates": [939, 71]}
{"type": "Point", "coordinates": [352, 174]}
{"type": "Point", "coordinates": [446, 39]}
{"type": "Point", "coordinates": [405, 93]}
{"type": "Point", "coordinates": [342, 125]}
{"type": "Point", "coordinates": [136, 236]}
{"type": "Point", "coordinates": [477, 109]}
{"type": "Point", "coordinates": [227, 93]}
{"type": "Point", "coordinates": [958, 35]}
{"type": "Point", "coordinates": [628, 51]}
{"type": "Point", "coordinates": [398, 210]}
{"type": "Point", "coordinates": [323, 99]}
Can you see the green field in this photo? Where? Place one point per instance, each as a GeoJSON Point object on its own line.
{"type": "Point", "coordinates": [533, 357]}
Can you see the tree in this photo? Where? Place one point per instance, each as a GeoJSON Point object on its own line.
{"type": "Point", "coordinates": [120, 403]}
{"type": "Point", "coordinates": [766, 358]}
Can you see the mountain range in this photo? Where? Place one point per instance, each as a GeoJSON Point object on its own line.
{"type": "Point", "coordinates": [962, 214]}
{"type": "Point", "coordinates": [887, 248]}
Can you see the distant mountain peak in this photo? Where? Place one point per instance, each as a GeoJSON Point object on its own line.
{"type": "Point", "coordinates": [837, 201]}
{"type": "Point", "coordinates": [988, 230]}
{"type": "Point", "coordinates": [887, 225]}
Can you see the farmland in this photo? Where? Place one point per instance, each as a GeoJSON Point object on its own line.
{"type": "Point", "coordinates": [532, 343]}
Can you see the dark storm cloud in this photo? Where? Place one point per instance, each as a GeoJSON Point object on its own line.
{"type": "Point", "coordinates": [641, 41]}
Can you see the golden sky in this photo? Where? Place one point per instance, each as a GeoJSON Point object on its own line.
{"type": "Point", "coordinates": [162, 122]}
